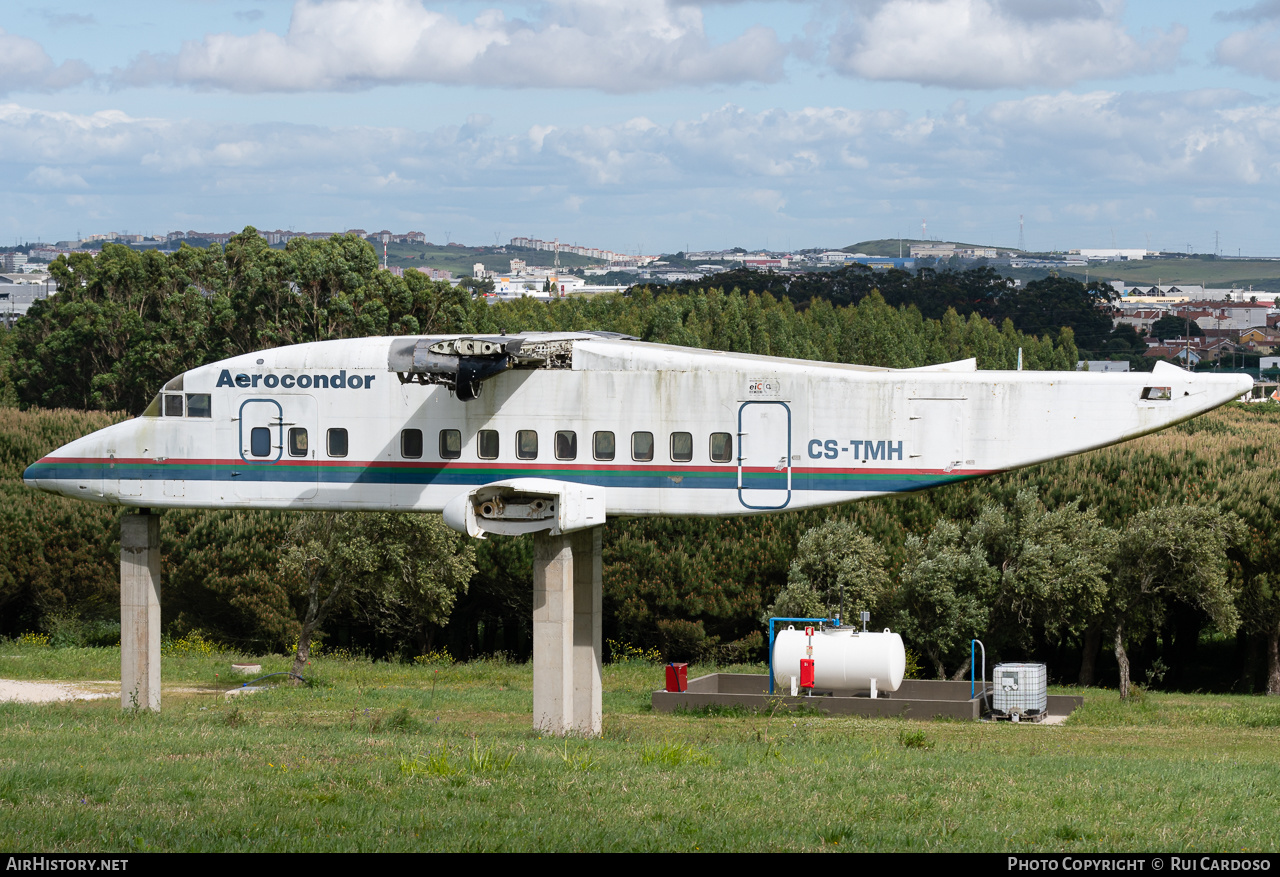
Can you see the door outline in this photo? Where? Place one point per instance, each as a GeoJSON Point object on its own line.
{"type": "Point", "coordinates": [279, 425]}
{"type": "Point", "coordinates": [787, 499]}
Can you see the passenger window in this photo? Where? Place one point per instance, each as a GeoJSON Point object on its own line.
{"type": "Point", "coordinates": [199, 405]}
{"type": "Point", "coordinates": [526, 444]}
{"type": "Point", "coordinates": [681, 447]}
{"type": "Point", "coordinates": [411, 443]}
{"type": "Point", "coordinates": [298, 442]}
{"type": "Point", "coordinates": [566, 445]}
{"type": "Point", "coordinates": [260, 442]}
{"type": "Point", "coordinates": [721, 447]}
{"type": "Point", "coordinates": [487, 444]}
{"type": "Point", "coordinates": [450, 444]}
{"type": "Point", "coordinates": [337, 443]}
{"type": "Point", "coordinates": [642, 446]}
{"type": "Point", "coordinates": [173, 405]}
{"type": "Point", "coordinates": [602, 446]}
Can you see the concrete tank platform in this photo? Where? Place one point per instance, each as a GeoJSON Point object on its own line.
{"type": "Point", "coordinates": [915, 699]}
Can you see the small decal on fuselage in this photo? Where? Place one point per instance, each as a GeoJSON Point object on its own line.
{"type": "Point", "coordinates": [289, 381]}
{"type": "Point", "coordinates": [762, 387]}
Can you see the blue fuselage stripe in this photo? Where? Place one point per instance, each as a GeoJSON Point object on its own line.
{"type": "Point", "coordinates": [667, 478]}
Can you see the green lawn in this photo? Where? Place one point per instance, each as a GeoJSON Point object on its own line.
{"type": "Point", "coordinates": [1262, 274]}
{"type": "Point", "coordinates": [371, 758]}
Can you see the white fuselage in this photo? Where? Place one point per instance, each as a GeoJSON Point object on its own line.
{"type": "Point", "coordinates": [329, 425]}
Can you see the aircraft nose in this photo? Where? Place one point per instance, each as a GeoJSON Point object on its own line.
{"type": "Point", "coordinates": [40, 476]}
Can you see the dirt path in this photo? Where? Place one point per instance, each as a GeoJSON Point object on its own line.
{"type": "Point", "coordinates": [13, 691]}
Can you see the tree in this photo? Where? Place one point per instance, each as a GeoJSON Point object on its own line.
{"type": "Point", "coordinates": [1172, 554]}
{"type": "Point", "coordinates": [837, 569]}
{"type": "Point", "coordinates": [1252, 496]}
{"type": "Point", "coordinates": [946, 588]}
{"type": "Point", "coordinates": [1052, 567]}
{"type": "Point", "coordinates": [1045, 307]}
{"type": "Point", "coordinates": [1173, 326]}
{"type": "Point", "coordinates": [424, 566]}
{"type": "Point", "coordinates": [394, 564]}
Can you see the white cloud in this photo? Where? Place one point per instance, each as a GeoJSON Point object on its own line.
{"type": "Point", "coordinates": [727, 169]}
{"type": "Point", "coordinates": [996, 43]}
{"type": "Point", "coordinates": [1255, 51]}
{"type": "Point", "coordinates": [1202, 139]}
{"type": "Point", "coordinates": [336, 45]}
{"type": "Point", "coordinates": [55, 178]}
{"type": "Point", "coordinates": [26, 66]}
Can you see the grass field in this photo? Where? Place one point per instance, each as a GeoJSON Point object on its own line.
{"type": "Point", "coordinates": [402, 757]}
{"type": "Point", "coordinates": [1217, 273]}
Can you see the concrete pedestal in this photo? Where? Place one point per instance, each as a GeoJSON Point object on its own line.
{"type": "Point", "coordinates": [140, 612]}
{"type": "Point", "coordinates": [567, 651]}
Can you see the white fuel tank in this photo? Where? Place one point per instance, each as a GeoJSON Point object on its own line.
{"type": "Point", "coordinates": [843, 658]}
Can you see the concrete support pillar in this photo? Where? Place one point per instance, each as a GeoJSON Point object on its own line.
{"type": "Point", "coordinates": [140, 612]}
{"type": "Point", "coordinates": [567, 614]}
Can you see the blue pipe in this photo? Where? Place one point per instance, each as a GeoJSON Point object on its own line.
{"type": "Point", "coordinates": [833, 621]}
{"type": "Point", "coordinates": [973, 666]}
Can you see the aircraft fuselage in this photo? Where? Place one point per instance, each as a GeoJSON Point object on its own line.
{"type": "Point", "coordinates": [649, 429]}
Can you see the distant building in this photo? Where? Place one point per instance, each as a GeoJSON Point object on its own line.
{"type": "Point", "coordinates": [1111, 255]}
{"type": "Point", "coordinates": [884, 262]}
{"type": "Point", "coordinates": [436, 273]}
{"type": "Point", "coordinates": [1096, 365]}
{"type": "Point", "coordinates": [933, 251]}
{"type": "Point", "coordinates": [1168, 351]}
{"type": "Point", "coordinates": [589, 252]}
{"type": "Point", "coordinates": [1031, 262]}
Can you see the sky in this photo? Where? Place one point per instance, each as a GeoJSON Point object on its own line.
{"type": "Point", "coordinates": [648, 126]}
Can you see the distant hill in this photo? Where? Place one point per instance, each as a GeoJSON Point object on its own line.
{"type": "Point", "coordinates": [892, 246]}
{"type": "Point", "coordinates": [460, 259]}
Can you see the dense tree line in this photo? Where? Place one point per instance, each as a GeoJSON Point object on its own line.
{"type": "Point", "coordinates": [980, 553]}
{"type": "Point", "coordinates": [125, 321]}
{"type": "Point", "coordinates": [1041, 308]}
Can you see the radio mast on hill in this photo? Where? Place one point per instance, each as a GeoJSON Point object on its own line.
{"type": "Point", "coordinates": [1022, 246]}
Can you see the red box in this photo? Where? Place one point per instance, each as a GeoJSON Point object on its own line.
{"type": "Point", "coordinates": [806, 672]}
{"type": "Point", "coordinates": [677, 677]}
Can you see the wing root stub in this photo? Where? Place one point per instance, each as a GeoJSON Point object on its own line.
{"type": "Point", "coordinates": [526, 505]}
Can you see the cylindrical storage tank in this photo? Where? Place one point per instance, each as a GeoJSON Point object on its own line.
{"type": "Point", "coordinates": [844, 658]}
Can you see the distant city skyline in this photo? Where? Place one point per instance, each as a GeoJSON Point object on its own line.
{"type": "Point", "coordinates": [649, 125]}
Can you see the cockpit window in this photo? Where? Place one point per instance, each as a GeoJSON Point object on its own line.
{"type": "Point", "coordinates": [1155, 394]}
{"type": "Point", "coordinates": [199, 405]}
{"type": "Point", "coordinates": [153, 410]}
{"type": "Point", "coordinates": [172, 404]}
